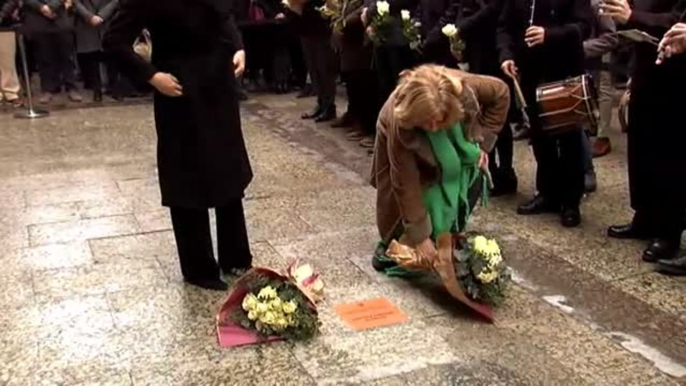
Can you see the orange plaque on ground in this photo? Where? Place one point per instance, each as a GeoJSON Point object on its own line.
{"type": "Point", "coordinates": [370, 314]}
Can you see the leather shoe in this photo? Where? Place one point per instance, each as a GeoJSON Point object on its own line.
{"type": "Point", "coordinates": [627, 231]}
{"type": "Point", "coordinates": [571, 217]}
{"type": "Point", "coordinates": [313, 114]}
{"type": "Point", "coordinates": [601, 147]}
{"type": "Point", "coordinates": [676, 267]}
{"type": "Point", "coordinates": [590, 182]}
{"type": "Point", "coordinates": [537, 205]}
{"type": "Point", "coordinates": [328, 115]}
{"type": "Point", "coordinates": [660, 250]}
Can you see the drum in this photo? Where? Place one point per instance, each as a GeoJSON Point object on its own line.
{"type": "Point", "coordinates": [568, 104]}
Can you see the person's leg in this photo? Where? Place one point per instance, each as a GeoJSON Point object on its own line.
{"type": "Point", "coordinates": [194, 244]}
{"type": "Point", "coordinates": [232, 238]}
{"type": "Point", "coordinates": [64, 55]}
{"type": "Point", "coordinates": [90, 68]}
{"type": "Point", "coordinates": [326, 63]}
{"type": "Point", "coordinates": [504, 176]}
{"type": "Point", "coordinates": [47, 68]}
{"type": "Point", "coordinates": [571, 174]}
{"type": "Point", "coordinates": [590, 180]}
{"type": "Point", "coordinates": [602, 145]}
{"type": "Point", "coordinates": [309, 54]}
{"type": "Point", "coordinates": [9, 81]}
{"type": "Point", "coordinates": [547, 172]}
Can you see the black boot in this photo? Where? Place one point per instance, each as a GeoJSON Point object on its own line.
{"type": "Point", "coordinates": [571, 217]}
{"type": "Point", "coordinates": [329, 114]}
{"type": "Point", "coordinates": [676, 267]}
{"type": "Point", "coordinates": [504, 183]}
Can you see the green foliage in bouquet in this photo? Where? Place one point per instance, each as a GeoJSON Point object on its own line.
{"type": "Point", "coordinates": [275, 307]}
{"type": "Point", "coordinates": [381, 22]}
{"type": "Point", "coordinates": [481, 271]}
{"type": "Point", "coordinates": [411, 30]}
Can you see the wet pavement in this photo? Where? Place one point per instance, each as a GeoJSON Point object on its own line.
{"type": "Point", "coordinates": [91, 293]}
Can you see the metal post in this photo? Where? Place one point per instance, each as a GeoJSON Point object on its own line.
{"type": "Point", "coordinates": [30, 113]}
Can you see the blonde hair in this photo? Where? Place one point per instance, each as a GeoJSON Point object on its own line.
{"type": "Point", "coordinates": [428, 92]}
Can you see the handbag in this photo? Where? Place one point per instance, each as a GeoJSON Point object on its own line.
{"type": "Point", "coordinates": [143, 46]}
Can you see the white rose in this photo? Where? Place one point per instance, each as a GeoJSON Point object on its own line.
{"type": "Point", "coordinates": [449, 30]}
{"type": "Point", "coordinates": [405, 15]}
{"type": "Point", "coordinates": [382, 8]}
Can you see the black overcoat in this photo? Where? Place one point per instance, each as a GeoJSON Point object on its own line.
{"type": "Point", "coordinates": [88, 37]}
{"type": "Point", "coordinates": [202, 158]}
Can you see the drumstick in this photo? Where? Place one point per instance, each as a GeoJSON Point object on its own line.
{"type": "Point", "coordinates": [533, 10]}
{"type": "Point", "coordinates": [519, 93]}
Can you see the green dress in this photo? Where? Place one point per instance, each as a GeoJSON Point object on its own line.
{"type": "Point", "coordinates": [448, 200]}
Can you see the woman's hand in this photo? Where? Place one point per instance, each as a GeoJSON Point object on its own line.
{"type": "Point", "coordinates": [239, 63]}
{"type": "Point", "coordinates": [483, 161]}
{"type": "Point", "coordinates": [167, 84]}
{"type": "Point", "coordinates": [673, 43]}
{"type": "Point", "coordinates": [427, 249]}
{"type": "Point", "coordinates": [620, 10]}
{"type": "Point", "coordinates": [535, 36]}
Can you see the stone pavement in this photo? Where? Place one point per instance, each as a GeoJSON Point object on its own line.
{"type": "Point", "coordinates": [90, 290]}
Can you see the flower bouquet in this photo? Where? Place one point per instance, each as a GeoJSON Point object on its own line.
{"type": "Point", "coordinates": [411, 30]}
{"type": "Point", "coordinates": [381, 22]}
{"type": "Point", "coordinates": [474, 273]}
{"type": "Point", "coordinates": [457, 45]}
{"type": "Point", "coordinates": [266, 305]}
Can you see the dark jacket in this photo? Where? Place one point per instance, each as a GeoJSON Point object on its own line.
{"type": "Point", "coordinates": [202, 158]}
{"type": "Point", "coordinates": [603, 39]}
{"type": "Point", "coordinates": [88, 37]}
{"type": "Point", "coordinates": [567, 25]}
{"type": "Point", "coordinates": [355, 54]}
{"type": "Point", "coordinates": [7, 8]}
{"type": "Point", "coordinates": [477, 21]}
{"type": "Point", "coordinates": [310, 22]}
{"type": "Point", "coordinates": [35, 22]}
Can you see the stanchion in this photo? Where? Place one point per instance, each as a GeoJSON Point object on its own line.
{"type": "Point", "coordinates": [30, 112]}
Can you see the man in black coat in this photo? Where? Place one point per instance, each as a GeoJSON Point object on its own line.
{"type": "Point", "coordinates": [656, 135]}
{"type": "Point", "coordinates": [202, 158]}
{"type": "Point", "coordinates": [541, 41]}
{"type": "Point", "coordinates": [51, 27]}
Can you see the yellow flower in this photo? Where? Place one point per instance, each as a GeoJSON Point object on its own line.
{"type": "Point", "coordinates": [281, 323]}
{"type": "Point", "coordinates": [492, 247]}
{"type": "Point", "coordinates": [495, 260]}
{"type": "Point", "coordinates": [276, 305]}
{"type": "Point", "coordinates": [268, 318]}
{"type": "Point", "coordinates": [487, 277]}
{"type": "Point", "coordinates": [290, 307]}
{"type": "Point", "coordinates": [267, 292]}
{"type": "Point", "coordinates": [252, 315]}
{"type": "Point", "coordinates": [261, 308]}
{"type": "Point", "coordinates": [249, 302]}
{"type": "Point", "coordinates": [480, 244]}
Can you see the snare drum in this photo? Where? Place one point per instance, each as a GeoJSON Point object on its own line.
{"type": "Point", "coordinates": [568, 104]}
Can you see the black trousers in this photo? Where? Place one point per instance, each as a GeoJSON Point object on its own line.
{"type": "Point", "coordinates": [194, 240]}
{"type": "Point", "coordinates": [90, 63]}
{"type": "Point", "coordinates": [322, 65]}
{"type": "Point", "coordinates": [363, 99]}
{"type": "Point", "coordinates": [55, 57]}
{"type": "Point", "coordinates": [390, 62]}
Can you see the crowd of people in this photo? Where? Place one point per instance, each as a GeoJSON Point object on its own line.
{"type": "Point", "coordinates": [370, 46]}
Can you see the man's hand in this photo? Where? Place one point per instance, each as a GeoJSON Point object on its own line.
{"type": "Point", "coordinates": [364, 16]}
{"type": "Point", "coordinates": [427, 249]}
{"type": "Point", "coordinates": [96, 21]}
{"type": "Point", "coordinates": [167, 84]}
{"type": "Point", "coordinates": [239, 63]}
{"type": "Point", "coordinates": [47, 12]}
{"type": "Point", "coordinates": [510, 69]}
{"type": "Point", "coordinates": [534, 36]}
{"type": "Point", "coordinates": [280, 16]}
{"type": "Point", "coordinates": [620, 10]}
{"type": "Point", "coordinates": [673, 43]}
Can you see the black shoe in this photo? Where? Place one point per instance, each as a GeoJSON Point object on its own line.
{"type": "Point", "coordinates": [660, 250]}
{"type": "Point", "coordinates": [538, 205]}
{"type": "Point", "coordinates": [676, 267]}
{"type": "Point", "coordinates": [627, 231]}
{"type": "Point", "coordinates": [327, 116]}
{"type": "Point", "coordinates": [313, 114]}
{"type": "Point", "coordinates": [505, 183]}
{"type": "Point", "coordinates": [209, 284]}
{"type": "Point", "coordinates": [97, 96]}
{"type": "Point", "coordinates": [590, 182]}
{"type": "Point", "coordinates": [571, 217]}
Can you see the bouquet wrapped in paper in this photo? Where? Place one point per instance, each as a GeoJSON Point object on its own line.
{"type": "Point", "coordinates": [472, 269]}
{"type": "Point", "coordinates": [265, 305]}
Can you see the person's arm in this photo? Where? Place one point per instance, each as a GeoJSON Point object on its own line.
{"type": "Point", "coordinates": [655, 24]}
{"type": "Point", "coordinates": [55, 4]}
{"type": "Point", "coordinates": [83, 12]}
{"type": "Point", "coordinates": [575, 31]}
{"type": "Point", "coordinates": [605, 42]}
{"type": "Point", "coordinates": [504, 32]}
{"type": "Point", "coordinates": [490, 11]}
{"type": "Point", "coordinates": [108, 10]}
{"type": "Point", "coordinates": [8, 8]}
{"type": "Point", "coordinates": [493, 96]}
{"type": "Point", "coordinates": [435, 35]}
{"type": "Point", "coordinates": [125, 27]}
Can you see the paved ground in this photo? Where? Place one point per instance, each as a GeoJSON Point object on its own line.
{"type": "Point", "coordinates": [90, 291]}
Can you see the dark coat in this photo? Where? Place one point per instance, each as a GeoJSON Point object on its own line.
{"type": "Point", "coordinates": [656, 134]}
{"type": "Point", "coordinates": [89, 38]}
{"type": "Point", "coordinates": [7, 8]}
{"type": "Point", "coordinates": [35, 22]}
{"type": "Point", "coordinates": [202, 158]}
{"type": "Point", "coordinates": [355, 53]}
{"type": "Point", "coordinates": [477, 21]}
{"type": "Point", "coordinates": [310, 22]}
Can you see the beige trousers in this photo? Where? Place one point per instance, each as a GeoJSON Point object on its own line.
{"type": "Point", "coordinates": [9, 82]}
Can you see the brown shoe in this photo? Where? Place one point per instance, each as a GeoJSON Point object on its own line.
{"type": "Point", "coordinates": [601, 147]}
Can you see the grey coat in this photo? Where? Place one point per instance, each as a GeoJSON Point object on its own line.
{"type": "Point", "coordinates": [604, 37]}
{"type": "Point", "coordinates": [35, 22]}
{"type": "Point", "coordinates": [88, 37]}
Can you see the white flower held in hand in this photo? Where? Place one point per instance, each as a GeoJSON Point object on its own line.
{"type": "Point", "coordinates": [405, 15]}
{"type": "Point", "coordinates": [382, 7]}
{"type": "Point", "coordinates": [449, 30]}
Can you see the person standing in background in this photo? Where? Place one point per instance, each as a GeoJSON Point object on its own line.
{"type": "Point", "coordinates": [598, 50]}
{"type": "Point", "coordinates": [51, 27]}
{"type": "Point", "coordinates": [202, 159]}
{"type": "Point", "coordinates": [656, 135]}
{"type": "Point", "coordinates": [92, 17]}
{"type": "Point", "coordinates": [9, 81]}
